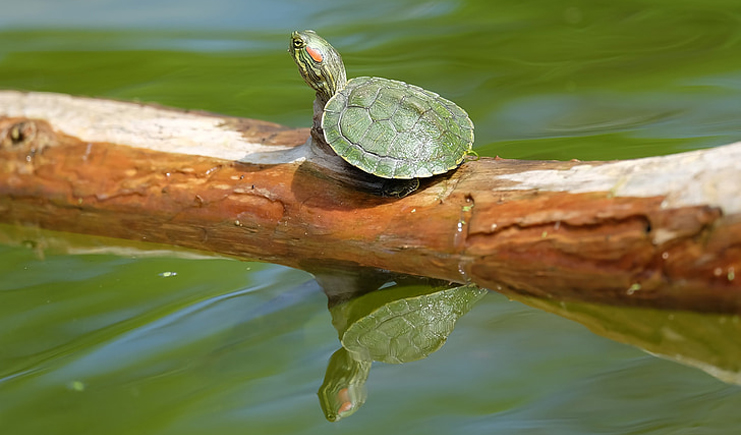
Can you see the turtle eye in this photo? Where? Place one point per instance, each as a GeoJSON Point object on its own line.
{"type": "Point", "coordinates": [298, 43]}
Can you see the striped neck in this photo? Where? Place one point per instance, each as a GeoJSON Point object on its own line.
{"type": "Point", "coordinates": [319, 63]}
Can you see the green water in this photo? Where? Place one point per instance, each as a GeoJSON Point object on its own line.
{"type": "Point", "coordinates": [128, 343]}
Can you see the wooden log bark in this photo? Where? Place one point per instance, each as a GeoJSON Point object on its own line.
{"type": "Point", "coordinates": [662, 232]}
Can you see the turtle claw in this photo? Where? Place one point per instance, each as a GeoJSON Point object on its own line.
{"type": "Point", "coordinates": [395, 188]}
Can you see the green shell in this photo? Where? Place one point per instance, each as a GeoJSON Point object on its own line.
{"type": "Point", "coordinates": [396, 130]}
{"type": "Point", "coordinates": [409, 328]}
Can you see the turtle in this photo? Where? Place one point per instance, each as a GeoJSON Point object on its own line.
{"type": "Point", "coordinates": [396, 325]}
{"type": "Point", "coordinates": [386, 128]}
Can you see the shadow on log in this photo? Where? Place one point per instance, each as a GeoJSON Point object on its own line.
{"type": "Point", "coordinates": [663, 232]}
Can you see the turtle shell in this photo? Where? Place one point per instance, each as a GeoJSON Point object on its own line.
{"type": "Point", "coordinates": [392, 129]}
{"type": "Point", "coordinates": [409, 328]}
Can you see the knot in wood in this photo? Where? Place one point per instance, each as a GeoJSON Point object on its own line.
{"type": "Point", "coordinates": [18, 134]}
{"type": "Point", "coordinates": [25, 135]}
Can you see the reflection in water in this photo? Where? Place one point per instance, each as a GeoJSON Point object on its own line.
{"type": "Point", "coordinates": [406, 320]}
{"type": "Point", "coordinates": [708, 341]}
{"type": "Point", "coordinates": [410, 318]}
{"type": "Point", "coordinates": [343, 391]}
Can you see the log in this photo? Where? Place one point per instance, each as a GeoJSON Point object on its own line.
{"type": "Point", "coordinates": [662, 232]}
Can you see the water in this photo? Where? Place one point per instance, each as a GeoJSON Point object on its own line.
{"type": "Point", "coordinates": [122, 342]}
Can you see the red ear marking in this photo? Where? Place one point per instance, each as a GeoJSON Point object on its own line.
{"type": "Point", "coordinates": [315, 54]}
{"type": "Point", "coordinates": [346, 406]}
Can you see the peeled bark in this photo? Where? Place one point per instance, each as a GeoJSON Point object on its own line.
{"type": "Point", "coordinates": [662, 232]}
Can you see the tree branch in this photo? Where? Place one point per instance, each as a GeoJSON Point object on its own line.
{"type": "Point", "coordinates": [661, 231]}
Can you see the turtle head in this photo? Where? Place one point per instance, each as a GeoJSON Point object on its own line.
{"type": "Point", "coordinates": [318, 62]}
{"type": "Point", "coordinates": [343, 391]}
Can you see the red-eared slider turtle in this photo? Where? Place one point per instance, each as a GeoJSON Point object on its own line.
{"type": "Point", "coordinates": [387, 128]}
{"type": "Point", "coordinates": [394, 325]}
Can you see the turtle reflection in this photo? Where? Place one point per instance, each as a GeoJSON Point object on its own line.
{"type": "Point", "coordinates": [405, 321]}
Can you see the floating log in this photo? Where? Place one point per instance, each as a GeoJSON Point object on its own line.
{"type": "Point", "coordinates": [663, 232]}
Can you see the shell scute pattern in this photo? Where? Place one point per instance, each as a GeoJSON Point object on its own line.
{"type": "Point", "coordinates": [379, 137]}
{"type": "Point", "coordinates": [364, 96]}
{"type": "Point", "coordinates": [412, 328]}
{"type": "Point", "coordinates": [395, 130]}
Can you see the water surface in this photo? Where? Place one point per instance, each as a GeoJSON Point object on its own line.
{"type": "Point", "coordinates": [121, 342]}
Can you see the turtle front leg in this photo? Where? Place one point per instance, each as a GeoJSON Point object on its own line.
{"type": "Point", "coordinates": [395, 188]}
